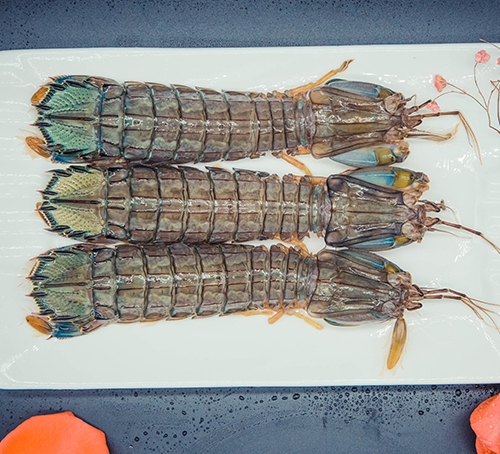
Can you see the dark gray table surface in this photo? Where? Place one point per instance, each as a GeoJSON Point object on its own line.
{"type": "Point", "coordinates": [399, 419]}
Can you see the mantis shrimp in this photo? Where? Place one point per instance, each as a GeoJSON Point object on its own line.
{"type": "Point", "coordinates": [83, 287]}
{"type": "Point", "coordinates": [179, 222]}
{"type": "Point", "coordinates": [370, 208]}
{"type": "Point", "coordinates": [98, 120]}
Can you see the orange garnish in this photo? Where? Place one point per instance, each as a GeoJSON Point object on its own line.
{"type": "Point", "coordinates": [485, 422]}
{"type": "Point", "coordinates": [54, 434]}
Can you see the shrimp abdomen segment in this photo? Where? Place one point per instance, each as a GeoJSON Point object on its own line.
{"type": "Point", "coordinates": [79, 288]}
{"type": "Point", "coordinates": [143, 204]}
{"type": "Point", "coordinates": [91, 118]}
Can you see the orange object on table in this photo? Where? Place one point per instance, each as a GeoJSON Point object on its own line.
{"type": "Point", "coordinates": [485, 422]}
{"type": "Point", "coordinates": [59, 433]}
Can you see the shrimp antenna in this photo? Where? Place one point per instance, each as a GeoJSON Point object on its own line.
{"type": "Point", "coordinates": [400, 331]}
{"type": "Point", "coordinates": [468, 129]}
{"type": "Point", "coordinates": [477, 306]}
{"type": "Point", "coordinates": [433, 135]}
{"type": "Point", "coordinates": [436, 221]}
{"type": "Point", "coordinates": [449, 233]}
{"type": "Point", "coordinates": [446, 207]}
{"type": "Point", "coordinates": [441, 206]}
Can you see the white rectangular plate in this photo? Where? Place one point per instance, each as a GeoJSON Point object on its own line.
{"type": "Point", "coordinates": [447, 343]}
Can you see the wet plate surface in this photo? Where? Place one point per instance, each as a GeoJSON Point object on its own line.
{"type": "Point", "coordinates": [447, 343]}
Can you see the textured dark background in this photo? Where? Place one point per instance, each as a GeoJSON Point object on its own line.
{"type": "Point", "coordinates": [219, 23]}
{"type": "Point", "coordinates": [400, 419]}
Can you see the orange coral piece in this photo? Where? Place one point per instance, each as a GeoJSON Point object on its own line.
{"type": "Point", "coordinates": [440, 83]}
{"type": "Point", "coordinates": [485, 422]}
{"type": "Point", "coordinates": [482, 57]}
{"type": "Point", "coordinates": [432, 105]}
{"type": "Point", "coordinates": [59, 433]}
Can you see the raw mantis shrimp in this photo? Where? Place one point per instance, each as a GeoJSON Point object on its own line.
{"type": "Point", "coordinates": [370, 208]}
{"type": "Point", "coordinates": [169, 216]}
{"type": "Point", "coordinates": [83, 287]}
{"type": "Point", "coordinates": [98, 120]}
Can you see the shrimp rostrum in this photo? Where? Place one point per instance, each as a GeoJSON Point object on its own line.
{"type": "Point", "coordinates": [371, 208]}
{"type": "Point", "coordinates": [98, 120]}
{"type": "Point", "coordinates": [83, 287]}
